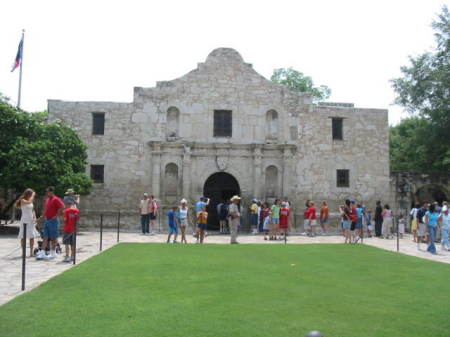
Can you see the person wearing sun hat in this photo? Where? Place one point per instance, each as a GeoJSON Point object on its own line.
{"type": "Point", "coordinates": [234, 218]}
{"type": "Point", "coordinates": [183, 218]}
{"type": "Point", "coordinates": [71, 196]}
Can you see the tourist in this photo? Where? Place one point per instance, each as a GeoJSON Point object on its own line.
{"type": "Point", "coordinates": [444, 206]}
{"type": "Point", "coordinates": [259, 203]}
{"type": "Point", "coordinates": [431, 220]}
{"type": "Point", "coordinates": [144, 209]}
{"type": "Point", "coordinates": [275, 212]}
{"type": "Point", "coordinates": [387, 222]}
{"type": "Point", "coordinates": [202, 220]}
{"type": "Point", "coordinates": [354, 218]}
{"type": "Point", "coordinates": [312, 218]}
{"type": "Point", "coordinates": [70, 195]}
{"type": "Point", "coordinates": [53, 208]}
{"type": "Point", "coordinates": [173, 228]}
{"type": "Point", "coordinates": [345, 213]}
{"type": "Point", "coordinates": [306, 225]}
{"type": "Point", "coordinates": [422, 232]}
{"type": "Point", "coordinates": [25, 203]}
{"type": "Point", "coordinates": [183, 219]}
{"type": "Point", "coordinates": [359, 223]}
{"type": "Point", "coordinates": [444, 219]}
{"type": "Point", "coordinates": [265, 210]}
{"type": "Point", "coordinates": [234, 218]}
{"type": "Point", "coordinates": [324, 214]}
{"type": "Point", "coordinates": [414, 222]}
{"type": "Point", "coordinates": [401, 225]}
{"type": "Point", "coordinates": [71, 216]}
{"type": "Point", "coordinates": [285, 213]}
{"type": "Point", "coordinates": [153, 209]}
{"type": "Point", "coordinates": [203, 202]}
{"type": "Point", "coordinates": [378, 219]}
{"type": "Point", "coordinates": [267, 225]}
{"type": "Point", "coordinates": [254, 216]}
{"type": "Point", "coordinates": [222, 214]}
{"type": "Point", "coordinates": [370, 223]}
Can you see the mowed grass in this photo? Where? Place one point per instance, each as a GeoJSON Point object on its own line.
{"type": "Point", "coordinates": [238, 290]}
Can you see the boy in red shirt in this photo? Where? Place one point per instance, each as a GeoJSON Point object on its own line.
{"type": "Point", "coordinates": [285, 212]}
{"type": "Point", "coordinates": [312, 217]}
{"type": "Point", "coordinates": [71, 216]}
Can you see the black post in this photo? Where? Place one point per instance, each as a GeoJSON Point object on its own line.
{"type": "Point", "coordinates": [118, 226]}
{"type": "Point", "coordinates": [398, 238]}
{"type": "Point", "coordinates": [74, 242]}
{"type": "Point", "coordinates": [101, 231]}
{"type": "Point", "coordinates": [24, 253]}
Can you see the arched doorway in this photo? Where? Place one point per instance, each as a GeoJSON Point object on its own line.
{"type": "Point", "coordinates": [219, 187]}
{"type": "Point", "coordinates": [432, 192]}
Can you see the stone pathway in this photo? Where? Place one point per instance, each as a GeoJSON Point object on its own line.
{"type": "Point", "coordinates": [88, 246]}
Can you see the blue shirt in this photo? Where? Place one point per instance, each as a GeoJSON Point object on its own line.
{"type": "Point", "coordinates": [432, 218]}
{"type": "Point", "coordinates": [359, 211]}
{"type": "Point", "coordinates": [171, 218]}
{"type": "Point", "coordinates": [199, 205]}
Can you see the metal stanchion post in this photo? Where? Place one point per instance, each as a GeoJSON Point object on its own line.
{"type": "Point", "coordinates": [74, 242]}
{"type": "Point", "coordinates": [118, 226]}
{"type": "Point", "coordinates": [398, 238]}
{"type": "Point", "coordinates": [101, 231]}
{"type": "Point", "coordinates": [24, 253]}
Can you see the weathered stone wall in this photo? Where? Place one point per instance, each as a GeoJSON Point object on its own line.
{"type": "Point", "coordinates": [274, 131]}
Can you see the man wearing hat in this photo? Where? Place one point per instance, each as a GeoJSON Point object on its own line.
{"type": "Point", "coordinates": [234, 218]}
{"type": "Point", "coordinates": [70, 196]}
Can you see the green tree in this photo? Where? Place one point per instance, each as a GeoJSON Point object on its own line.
{"type": "Point", "coordinates": [297, 81]}
{"type": "Point", "coordinates": [424, 91]}
{"type": "Point", "coordinates": [37, 154]}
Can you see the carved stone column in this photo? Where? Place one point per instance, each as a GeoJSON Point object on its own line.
{"type": "Point", "coordinates": [156, 175]}
{"type": "Point", "coordinates": [257, 172]}
{"type": "Point", "coordinates": [287, 172]}
{"type": "Point", "coordinates": [186, 172]}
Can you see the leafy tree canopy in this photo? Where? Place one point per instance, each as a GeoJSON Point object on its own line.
{"type": "Point", "coordinates": [424, 90]}
{"type": "Point", "coordinates": [36, 154]}
{"type": "Point", "coordinates": [297, 81]}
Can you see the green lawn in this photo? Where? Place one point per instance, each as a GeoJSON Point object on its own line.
{"type": "Point", "coordinates": [238, 290]}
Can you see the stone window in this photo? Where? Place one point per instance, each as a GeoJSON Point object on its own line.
{"type": "Point", "coordinates": [171, 180]}
{"type": "Point", "coordinates": [223, 123]}
{"type": "Point", "coordinates": [337, 128]}
{"type": "Point", "coordinates": [98, 123]}
{"type": "Point", "coordinates": [172, 126]}
{"type": "Point", "coordinates": [97, 173]}
{"type": "Point", "coordinates": [343, 178]}
{"type": "Point", "coordinates": [272, 125]}
{"type": "Point", "coordinates": [271, 182]}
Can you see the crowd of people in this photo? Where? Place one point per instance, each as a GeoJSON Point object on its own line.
{"type": "Point", "coordinates": [274, 221]}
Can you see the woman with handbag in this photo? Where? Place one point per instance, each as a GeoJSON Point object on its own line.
{"type": "Point", "coordinates": [25, 203]}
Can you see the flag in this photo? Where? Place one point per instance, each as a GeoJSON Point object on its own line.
{"type": "Point", "coordinates": [18, 59]}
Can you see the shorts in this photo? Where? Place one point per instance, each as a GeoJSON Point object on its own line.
{"type": "Point", "coordinates": [68, 239]}
{"type": "Point", "coordinates": [275, 221]}
{"type": "Point", "coordinates": [306, 224]}
{"type": "Point", "coordinates": [283, 226]}
{"type": "Point", "coordinates": [414, 225]}
{"type": "Point", "coordinates": [324, 220]}
{"type": "Point", "coordinates": [152, 216]}
{"type": "Point", "coordinates": [202, 226]}
{"type": "Point", "coordinates": [51, 228]}
{"type": "Point", "coordinates": [173, 229]}
{"type": "Point", "coordinates": [313, 222]}
{"type": "Point", "coordinates": [184, 222]}
{"type": "Point", "coordinates": [359, 224]}
{"type": "Point", "coordinates": [422, 229]}
{"type": "Point", "coordinates": [346, 224]}
{"type": "Point", "coordinates": [370, 227]}
{"type": "Point", "coordinates": [353, 225]}
{"type": "Point", "coordinates": [255, 219]}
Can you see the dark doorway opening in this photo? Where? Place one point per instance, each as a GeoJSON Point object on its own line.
{"type": "Point", "coordinates": [432, 193]}
{"type": "Point", "coordinates": [219, 187]}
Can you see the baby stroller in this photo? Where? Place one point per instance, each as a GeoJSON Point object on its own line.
{"type": "Point", "coordinates": [39, 227]}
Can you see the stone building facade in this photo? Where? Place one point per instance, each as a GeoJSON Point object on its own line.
{"type": "Point", "coordinates": [223, 129]}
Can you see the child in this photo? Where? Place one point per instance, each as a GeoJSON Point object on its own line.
{"type": "Point", "coordinates": [202, 220]}
{"type": "Point", "coordinates": [266, 225]}
{"type": "Point", "coordinates": [71, 216]}
{"type": "Point", "coordinates": [173, 227]}
{"type": "Point", "coordinates": [370, 226]}
{"type": "Point", "coordinates": [401, 226]}
{"type": "Point", "coordinates": [285, 212]}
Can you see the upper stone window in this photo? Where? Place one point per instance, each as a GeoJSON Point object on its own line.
{"type": "Point", "coordinates": [223, 123]}
{"type": "Point", "coordinates": [272, 125]}
{"type": "Point", "coordinates": [98, 123]}
{"type": "Point", "coordinates": [337, 128]}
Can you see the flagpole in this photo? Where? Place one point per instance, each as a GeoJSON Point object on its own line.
{"type": "Point", "coordinates": [20, 73]}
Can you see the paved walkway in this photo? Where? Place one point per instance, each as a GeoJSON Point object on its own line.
{"type": "Point", "coordinates": [88, 246]}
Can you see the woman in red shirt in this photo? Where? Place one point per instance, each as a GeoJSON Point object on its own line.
{"type": "Point", "coordinates": [285, 213]}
